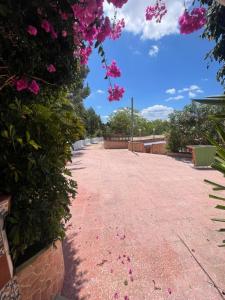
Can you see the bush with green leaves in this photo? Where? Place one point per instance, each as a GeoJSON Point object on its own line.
{"type": "Point", "coordinates": [37, 126]}
{"type": "Point", "coordinates": [35, 145]}
{"type": "Point", "coordinates": [219, 162]}
{"type": "Point", "coordinates": [191, 126]}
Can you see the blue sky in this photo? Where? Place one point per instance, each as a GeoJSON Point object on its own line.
{"type": "Point", "coordinates": [161, 72]}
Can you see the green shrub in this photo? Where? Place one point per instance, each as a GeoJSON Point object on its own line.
{"type": "Point", "coordinates": [36, 131]}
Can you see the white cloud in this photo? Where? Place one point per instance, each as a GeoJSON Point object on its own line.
{"type": "Point", "coordinates": [134, 14]}
{"type": "Point", "coordinates": [156, 112]}
{"type": "Point", "coordinates": [178, 97]}
{"type": "Point", "coordinates": [192, 90]}
{"type": "Point", "coordinates": [153, 51]}
{"type": "Point", "coordinates": [171, 91]}
{"type": "Point", "coordinates": [191, 94]}
{"type": "Point", "coordinates": [100, 92]}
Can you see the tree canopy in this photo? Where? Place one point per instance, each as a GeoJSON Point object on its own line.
{"type": "Point", "coordinates": [120, 124]}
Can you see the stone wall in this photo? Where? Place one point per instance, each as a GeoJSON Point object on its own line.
{"type": "Point", "coordinates": [41, 277]}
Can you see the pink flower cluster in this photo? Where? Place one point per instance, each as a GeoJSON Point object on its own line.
{"type": "Point", "coordinates": [192, 21]}
{"type": "Point", "coordinates": [115, 93]}
{"type": "Point", "coordinates": [157, 11]}
{"type": "Point", "coordinates": [23, 84]}
{"type": "Point", "coordinates": [89, 25]}
{"type": "Point", "coordinates": [116, 30]}
{"type": "Point", "coordinates": [32, 30]}
{"type": "Point", "coordinates": [48, 27]}
{"type": "Point", "coordinates": [113, 70]}
{"type": "Point", "coordinates": [51, 68]}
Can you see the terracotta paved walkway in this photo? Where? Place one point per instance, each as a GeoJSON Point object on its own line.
{"type": "Point", "coordinates": [123, 239]}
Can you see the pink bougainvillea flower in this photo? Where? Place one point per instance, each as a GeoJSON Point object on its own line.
{"type": "Point", "coordinates": [169, 291]}
{"type": "Point", "coordinates": [21, 84]}
{"type": "Point", "coordinates": [32, 30]}
{"type": "Point", "coordinates": [116, 30]}
{"type": "Point", "coordinates": [126, 298]}
{"type": "Point", "coordinates": [64, 33]}
{"type": "Point", "coordinates": [34, 87]}
{"type": "Point", "coordinates": [84, 54]}
{"type": "Point", "coordinates": [192, 21]}
{"type": "Point", "coordinates": [130, 272]}
{"type": "Point", "coordinates": [104, 31]}
{"type": "Point", "coordinates": [54, 34]}
{"type": "Point", "coordinates": [117, 3]}
{"type": "Point", "coordinates": [156, 11]}
{"type": "Point", "coordinates": [128, 258]}
{"type": "Point", "coordinates": [115, 94]}
{"type": "Point", "coordinates": [116, 296]}
{"type": "Point", "coordinates": [113, 70]}
{"type": "Point", "coordinates": [46, 25]}
{"type": "Point", "coordinates": [51, 68]}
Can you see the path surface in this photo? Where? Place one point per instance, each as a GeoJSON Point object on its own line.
{"type": "Point", "coordinates": [127, 221]}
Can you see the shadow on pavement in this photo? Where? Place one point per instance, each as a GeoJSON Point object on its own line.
{"type": "Point", "coordinates": [74, 279]}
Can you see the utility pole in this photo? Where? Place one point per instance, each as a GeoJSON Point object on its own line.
{"type": "Point", "coordinates": [132, 123]}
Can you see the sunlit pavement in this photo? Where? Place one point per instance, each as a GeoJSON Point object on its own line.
{"type": "Point", "coordinates": [141, 229]}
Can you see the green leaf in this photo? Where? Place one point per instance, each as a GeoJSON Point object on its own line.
{"type": "Point", "coordinates": [220, 207]}
{"type": "Point", "coordinates": [97, 44]}
{"type": "Point", "coordinates": [34, 144]}
{"type": "Point", "coordinates": [20, 141]}
{"type": "Point", "coordinates": [218, 220]}
{"type": "Point", "coordinates": [216, 197]}
{"type": "Point", "coordinates": [4, 133]}
{"type": "Point", "coordinates": [27, 136]}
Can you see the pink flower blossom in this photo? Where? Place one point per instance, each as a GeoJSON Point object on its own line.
{"type": "Point", "coordinates": [115, 93]}
{"type": "Point", "coordinates": [126, 298]}
{"type": "Point", "coordinates": [113, 70]}
{"type": "Point", "coordinates": [156, 11]}
{"type": "Point", "coordinates": [46, 25]}
{"type": "Point", "coordinates": [32, 30]}
{"type": "Point", "coordinates": [54, 34]}
{"type": "Point", "coordinates": [64, 33]}
{"type": "Point", "coordinates": [116, 296]}
{"type": "Point", "coordinates": [51, 68]}
{"type": "Point", "coordinates": [105, 30]}
{"type": "Point", "coordinates": [34, 87]}
{"type": "Point", "coordinates": [84, 54]}
{"type": "Point", "coordinates": [117, 3]}
{"type": "Point", "coordinates": [169, 291]}
{"type": "Point", "coordinates": [21, 84]}
{"type": "Point", "coordinates": [130, 272]}
{"type": "Point", "coordinates": [116, 31]}
{"type": "Point", "coordinates": [192, 21]}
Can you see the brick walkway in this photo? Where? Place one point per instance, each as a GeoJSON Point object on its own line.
{"type": "Point", "coordinates": [128, 222]}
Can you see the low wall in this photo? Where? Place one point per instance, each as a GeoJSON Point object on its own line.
{"type": "Point", "coordinates": [115, 144]}
{"type": "Point", "coordinates": [41, 277]}
{"type": "Point", "coordinates": [158, 149]}
{"type": "Point", "coordinates": [140, 147]}
{"type": "Point", "coordinates": [136, 146]}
